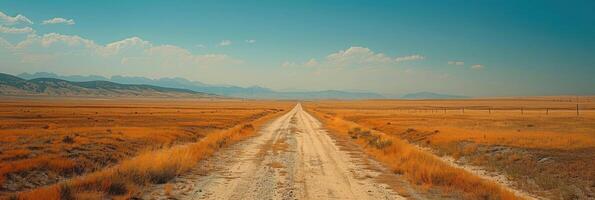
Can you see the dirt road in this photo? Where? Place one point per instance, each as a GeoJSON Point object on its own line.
{"type": "Point", "coordinates": [291, 158]}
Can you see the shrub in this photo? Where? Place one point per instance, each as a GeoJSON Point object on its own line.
{"type": "Point", "coordinates": [374, 140]}
{"type": "Point", "coordinates": [160, 176]}
{"type": "Point", "coordinates": [68, 139]}
{"type": "Point", "coordinates": [115, 187]}
{"type": "Point", "coordinates": [66, 192]}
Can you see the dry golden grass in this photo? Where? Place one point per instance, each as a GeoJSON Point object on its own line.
{"type": "Point", "coordinates": [546, 149]}
{"type": "Point", "coordinates": [504, 124]}
{"type": "Point", "coordinates": [419, 167]}
{"type": "Point", "coordinates": [118, 145]}
{"type": "Point", "coordinates": [125, 179]}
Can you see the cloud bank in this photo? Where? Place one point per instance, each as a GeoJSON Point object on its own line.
{"type": "Point", "coordinates": [59, 20]}
{"type": "Point", "coordinates": [356, 56]}
{"type": "Point", "coordinates": [72, 51]}
{"type": "Point", "coordinates": [18, 19]}
{"type": "Point", "coordinates": [12, 30]}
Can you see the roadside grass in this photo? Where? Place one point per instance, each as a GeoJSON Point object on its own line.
{"type": "Point", "coordinates": [526, 139]}
{"type": "Point", "coordinates": [547, 154]}
{"type": "Point", "coordinates": [421, 168]}
{"type": "Point", "coordinates": [557, 131]}
{"type": "Point", "coordinates": [45, 141]}
{"type": "Point", "coordinates": [126, 180]}
{"type": "Point", "coordinates": [56, 164]}
{"type": "Point", "coordinates": [515, 122]}
{"type": "Point", "coordinates": [448, 129]}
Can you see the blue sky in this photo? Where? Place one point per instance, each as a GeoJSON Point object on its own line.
{"type": "Point", "coordinates": [475, 48]}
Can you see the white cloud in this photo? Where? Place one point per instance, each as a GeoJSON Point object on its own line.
{"type": "Point", "coordinates": [477, 67]}
{"type": "Point", "coordinates": [358, 57]}
{"type": "Point", "coordinates": [55, 39]}
{"type": "Point", "coordinates": [8, 20]}
{"type": "Point", "coordinates": [129, 52]}
{"type": "Point", "coordinates": [458, 63]}
{"type": "Point", "coordinates": [410, 58]}
{"type": "Point", "coordinates": [56, 48]}
{"type": "Point", "coordinates": [128, 46]}
{"type": "Point", "coordinates": [53, 45]}
{"type": "Point", "coordinates": [70, 40]}
{"type": "Point", "coordinates": [173, 56]}
{"type": "Point", "coordinates": [225, 43]}
{"type": "Point", "coordinates": [200, 46]}
{"type": "Point", "coordinates": [251, 41]}
{"type": "Point", "coordinates": [59, 20]}
{"type": "Point", "coordinates": [12, 30]}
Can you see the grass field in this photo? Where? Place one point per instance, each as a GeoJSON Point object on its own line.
{"type": "Point", "coordinates": [47, 142]}
{"type": "Point", "coordinates": [540, 144]}
{"type": "Point", "coordinates": [113, 148]}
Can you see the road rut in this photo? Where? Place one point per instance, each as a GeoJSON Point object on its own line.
{"type": "Point", "coordinates": [291, 158]}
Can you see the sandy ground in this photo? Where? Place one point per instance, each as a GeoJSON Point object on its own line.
{"type": "Point", "coordinates": [291, 158]}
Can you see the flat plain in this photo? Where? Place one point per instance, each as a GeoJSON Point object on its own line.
{"type": "Point", "coordinates": [46, 141]}
{"type": "Point", "coordinates": [88, 148]}
{"type": "Point", "coordinates": [540, 146]}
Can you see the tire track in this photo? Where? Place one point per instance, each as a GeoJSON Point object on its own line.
{"type": "Point", "coordinates": [291, 158]}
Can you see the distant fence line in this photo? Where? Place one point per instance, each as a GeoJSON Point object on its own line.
{"type": "Point", "coordinates": [521, 109]}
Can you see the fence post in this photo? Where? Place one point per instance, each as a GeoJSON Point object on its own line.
{"type": "Point", "coordinates": [521, 110]}
{"type": "Point", "coordinates": [547, 110]}
{"type": "Point", "coordinates": [490, 110]}
{"type": "Point", "coordinates": [577, 108]}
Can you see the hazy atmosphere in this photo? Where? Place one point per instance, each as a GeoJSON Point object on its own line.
{"type": "Point", "coordinates": [328, 99]}
{"type": "Point", "coordinates": [471, 48]}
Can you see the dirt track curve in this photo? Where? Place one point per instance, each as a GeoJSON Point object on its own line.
{"type": "Point", "coordinates": [291, 158]}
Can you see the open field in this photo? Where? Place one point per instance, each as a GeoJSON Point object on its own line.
{"type": "Point", "coordinates": [539, 145]}
{"type": "Point", "coordinates": [395, 149]}
{"type": "Point", "coordinates": [48, 141]}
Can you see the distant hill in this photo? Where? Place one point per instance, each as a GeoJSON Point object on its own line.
{"type": "Point", "coordinates": [254, 92]}
{"type": "Point", "coordinates": [431, 95]}
{"type": "Point", "coordinates": [75, 78]}
{"type": "Point", "coordinates": [13, 85]}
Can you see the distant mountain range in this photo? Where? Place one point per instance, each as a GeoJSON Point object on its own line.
{"type": "Point", "coordinates": [43, 83]}
{"type": "Point", "coordinates": [431, 95]}
{"type": "Point", "coordinates": [254, 92]}
{"type": "Point", "coordinates": [13, 85]}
